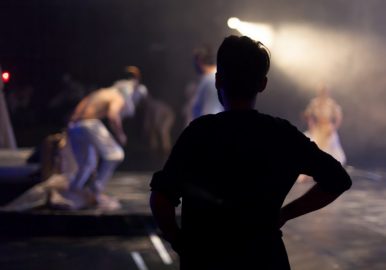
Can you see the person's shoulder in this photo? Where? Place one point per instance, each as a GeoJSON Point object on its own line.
{"type": "Point", "coordinates": [111, 94]}
{"type": "Point", "coordinates": [197, 128]}
{"type": "Point", "coordinates": [332, 102]}
{"type": "Point", "coordinates": [274, 119]}
{"type": "Point", "coordinates": [202, 120]}
{"type": "Point", "coordinates": [201, 124]}
{"type": "Point", "coordinates": [282, 125]}
{"type": "Point", "coordinates": [103, 92]}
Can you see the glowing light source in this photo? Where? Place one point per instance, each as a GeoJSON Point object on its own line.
{"type": "Point", "coordinates": [5, 76]}
{"type": "Point", "coordinates": [233, 23]}
{"type": "Point", "coordinates": [257, 31]}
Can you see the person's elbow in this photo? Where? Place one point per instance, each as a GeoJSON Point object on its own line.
{"type": "Point", "coordinates": [345, 181]}
{"type": "Point", "coordinates": [346, 184]}
{"type": "Point", "coordinates": [342, 185]}
{"type": "Point", "coordinates": [337, 186]}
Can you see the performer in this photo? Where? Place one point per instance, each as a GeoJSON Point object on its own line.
{"type": "Point", "coordinates": [91, 140]}
{"type": "Point", "coordinates": [324, 117]}
{"type": "Point", "coordinates": [189, 96]}
{"type": "Point", "coordinates": [158, 122]}
{"type": "Point", "coordinates": [205, 100]}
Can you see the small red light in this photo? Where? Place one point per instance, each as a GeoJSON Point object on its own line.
{"type": "Point", "coordinates": [5, 76]}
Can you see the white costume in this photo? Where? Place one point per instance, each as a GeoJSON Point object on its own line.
{"type": "Point", "coordinates": [323, 113]}
{"type": "Point", "coordinates": [90, 139]}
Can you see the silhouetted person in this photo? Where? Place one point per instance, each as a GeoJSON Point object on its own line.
{"type": "Point", "coordinates": [233, 171]}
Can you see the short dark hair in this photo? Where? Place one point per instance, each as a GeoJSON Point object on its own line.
{"type": "Point", "coordinates": [242, 64]}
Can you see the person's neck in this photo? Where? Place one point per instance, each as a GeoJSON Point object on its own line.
{"type": "Point", "coordinates": [239, 104]}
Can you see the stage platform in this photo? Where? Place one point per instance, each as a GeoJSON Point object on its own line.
{"type": "Point", "coordinates": [349, 234]}
{"type": "Point", "coordinates": [14, 166]}
{"type": "Point", "coordinates": [131, 189]}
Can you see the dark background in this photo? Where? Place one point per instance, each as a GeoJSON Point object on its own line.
{"type": "Point", "coordinates": [92, 40]}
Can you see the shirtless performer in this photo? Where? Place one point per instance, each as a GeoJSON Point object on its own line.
{"type": "Point", "coordinates": [94, 147]}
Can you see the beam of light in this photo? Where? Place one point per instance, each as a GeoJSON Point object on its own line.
{"type": "Point", "coordinates": [311, 55]}
{"type": "Point", "coordinates": [257, 31]}
{"type": "Point", "coordinates": [139, 261]}
{"type": "Point", "coordinates": [348, 61]}
{"type": "Point", "coordinates": [159, 246]}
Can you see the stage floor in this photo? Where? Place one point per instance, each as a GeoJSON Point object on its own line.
{"type": "Point", "coordinates": [350, 234]}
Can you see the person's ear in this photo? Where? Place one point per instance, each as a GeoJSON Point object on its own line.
{"type": "Point", "coordinates": [263, 84]}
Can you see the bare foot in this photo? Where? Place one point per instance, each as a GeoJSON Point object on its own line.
{"type": "Point", "coordinates": [105, 202]}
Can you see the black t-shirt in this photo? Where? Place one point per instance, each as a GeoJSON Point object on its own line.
{"type": "Point", "coordinates": [233, 171]}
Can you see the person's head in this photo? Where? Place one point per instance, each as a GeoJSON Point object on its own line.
{"type": "Point", "coordinates": [204, 57]}
{"type": "Point", "coordinates": [242, 67]}
{"type": "Point", "coordinates": [131, 88]}
{"type": "Point", "coordinates": [323, 91]}
{"type": "Point", "coordinates": [133, 72]}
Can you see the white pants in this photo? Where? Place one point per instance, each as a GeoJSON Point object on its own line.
{"type": "Point", "coordinates": [92, 142]}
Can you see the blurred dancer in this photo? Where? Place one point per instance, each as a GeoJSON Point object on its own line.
{"type": "Point", "coordinates": [205, 100]}
{"type": "Point", "coordinates": [324, 117]}
{"type": "Point", "coordinates": [189, 95]}
{"type": "Point", "coordinates": [91, 141]}
{"type": "Point", "coordinates": [158, 122]}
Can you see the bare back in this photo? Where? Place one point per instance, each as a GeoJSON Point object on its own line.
{"type": "Point", "coordinates": [96, 105]}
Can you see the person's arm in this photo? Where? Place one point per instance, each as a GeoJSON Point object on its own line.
{"type": "Point", "coordinates": [115, 120]}
{"type": "Point", "coordinates": [164, 214]}
{"type": "Point", "coordinates": [312, 200]}
{"type": "Point", "coordinates": [330, 177]}
{"type": "Point", "coordinates": [167, 185]}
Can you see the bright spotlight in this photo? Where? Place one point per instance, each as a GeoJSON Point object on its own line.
{"type": "Point", "coordinates": [233, 23]}
{"type": "Point", "coordinates": [257, 31]}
